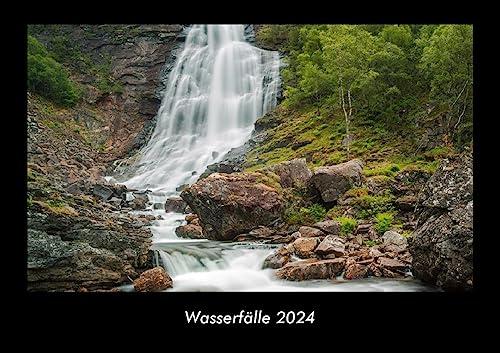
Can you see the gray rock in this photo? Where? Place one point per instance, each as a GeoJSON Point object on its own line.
{"type": "Point", "coordinates": [333, 181]}
{"type": "Point", "coordinates": [102, 191]}
{"type": "Point", "coordinates": [329, 226]}
{"type": "Point", "coordinates": [294, 173]}
{"type": "Point", "coordinates": [331, 245]}
{"type": "Point", "coordinates": [392, 237]}
{"type": "Point", "coordinates": [442, 244]}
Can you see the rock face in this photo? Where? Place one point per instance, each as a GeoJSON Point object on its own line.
{"type": "Point", "coordinates": [153, 280]}
{"type": "Point", "coordinates": [442, 245]}
{"type": "Point", "coordinates": [311, 269]}
{"type": "Point", "coordinates": [232, 204]}
{"type": "Point", "coordinates": [333, 181]}
{"type": "Point", "coordinates": [294, 173]}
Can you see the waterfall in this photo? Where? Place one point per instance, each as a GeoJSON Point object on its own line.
{"type": "Point", "coordinates": [217, 88]}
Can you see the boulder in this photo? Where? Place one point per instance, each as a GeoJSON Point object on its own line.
{"type": "Point", "coordinates": [329, 226]}
{"type": "Point", "coordinates": [392, 264]}
{"type": "Point", "coordinates": [294, 173]}
{"type": "Point", "coordinates": [175, 204]}
{"type": "Point", "coordinates": [331, 245]}
{"type": "Point", "coordinates": [311, 269]}
{"type": "Point", "coordinates": [310, 232]}
{"type": "Point", "coordinates": [190, 231]}
{"type": "Point", "coordinates": [332, 181]}
{"type": "Point", "coordinates": [232, 204]}
{"type": "Point", "coordinates": [304, 247]}
{"type": "Point", "coordinates": [278, 259]}
{"type": "Point", "coordinates": [442, 244]}
{"type": "Point", "coordinates": [356, 271]}
{"type": "Point", "coordinates": [191, 217]}
{"type": "Point", "coordinates": [394, 238]}
{"type": "Point", "coordinates": [153, 280]}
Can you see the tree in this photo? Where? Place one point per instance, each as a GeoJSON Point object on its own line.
{"type": "Point", "coordinates": [447, 62]}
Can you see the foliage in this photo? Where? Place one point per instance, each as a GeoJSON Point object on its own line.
{"type": "Point", "coordinates": [383, 222]}
{"type": "Point", "coordinates": [305, 215]}
{"type": "Point", "coordinates": [347, 225]}
{"type": "Point", "coordinates": [49, 78]}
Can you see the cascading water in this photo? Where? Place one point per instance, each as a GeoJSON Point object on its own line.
{"type": "Point", "coordinates": [218, 87]}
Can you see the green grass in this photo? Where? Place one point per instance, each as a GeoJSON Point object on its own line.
{"type": "Point", "coordinates": [305, 215]}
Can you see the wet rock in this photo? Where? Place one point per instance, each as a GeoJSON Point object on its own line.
{"type": "Point", "coordinates": [278, 259]}
{"type": "Point", "coordinates": [331, 245]}
{"type": "Point", "coordinates": [139, 202]}
{"type": "Point", "coordinates": [190, 231]}
{"type": "Point", "coordinates": [311, 269]}
{"type": "Point", "coordinates": [392, 264]}
{"type": "Point", "coordinates": [115, 201]}
{"type": "Point", "coordinates": [191, 217]}
{"type": "Point", "coordinates": [310, 232]}
{"type": "Point", "coordinates": [294, 173]}
{"type": "Point", "coordinates": [356, 271]}
{"type": "Point", "coordinates": [304, 247]}
{"type": "Point", "coordinates": [181, 187]}
{"type": "Point", "coordinates": [392, 237]}
{"type": "Point", "coordinates": [102, 191]}
{"type": "Point", "coordinates": [328, 226]}
{"type": "Point", "coordinates": [232, 204]}
{"type": "Point", "coordinates": [153, 280]}
{"type": "Point", "coordinates": [333, 181]}
{"type": "Point", "coordinates": [442, 244]}
{"type": "Point", "coordinates": [175, 204]}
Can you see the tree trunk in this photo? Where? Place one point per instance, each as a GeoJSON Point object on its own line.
{"type": "Point", "coordinates": [346, 115]}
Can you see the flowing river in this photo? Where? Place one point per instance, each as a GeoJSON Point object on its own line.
{"type": "Point", "coordinates": [218, 87]}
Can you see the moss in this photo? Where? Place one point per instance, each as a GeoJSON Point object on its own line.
{"type": "Point", "coordinates": [347, 225]}
{"type": "Point", "coordinates": [356, 192]}
{"type": "Point", "coordinates": [57, 207]}
{"type": "Point", "coordinates": [268, 178]}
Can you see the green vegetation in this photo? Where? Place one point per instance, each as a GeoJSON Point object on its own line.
{"type": "Point", "coordinates": [49, 78]}
{"type": "Point", "coordinates": [347, 225]}
{"type": "Point", "coordinates": [389, 76]}
{"type": "Point", "coordinates": [368, 206]}
{"type": "Point", "coordinates": [305, 215]}
{"type": "Point", "coordinates": [383, 222]}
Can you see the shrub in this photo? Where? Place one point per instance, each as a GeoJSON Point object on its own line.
{"type": "Point", "coordinates": [347, 225]}
{"type": "Point", "coordinates": [49, 78]}
{"type": "Point", "coordinates": [383, 222]}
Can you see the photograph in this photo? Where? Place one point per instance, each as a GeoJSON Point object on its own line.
{"type": "Point", "coordinates": [249, 158]}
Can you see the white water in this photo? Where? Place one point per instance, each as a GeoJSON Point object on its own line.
{"type": "Point", "coordinates": [218, 87]}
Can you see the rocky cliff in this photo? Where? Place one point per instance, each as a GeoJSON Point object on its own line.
{"type": "Point", "coordinates": [79, 234]}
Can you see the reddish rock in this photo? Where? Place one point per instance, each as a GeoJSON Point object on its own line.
{"type": "Point", "coordinates": [311, 269]}
{"type": "Point", "coordinates": [232, 204]}
{"type": "Point", "coordinates": [175, 204]}
{"type": "Point", "coordinates": [310, 232]}
{"type": "Point", "coordinates": [355, 271]}
{"type": "Point", "coordinates": [328, 226]}
{"type": "Point", "coordinates": [391, 264]}
{"type": "Point", "coordinates": [304, 247]}
{"type": "Point", "coordinates": [190, 231]}
{"type": "Point", "coordinates": [153, 280]}
{"type": "Point", "coordinates": [331, 245]}
{"type": "Point", "coordinates": [190, 217]}
{"type": "Point", "coordinates": [279, 258]}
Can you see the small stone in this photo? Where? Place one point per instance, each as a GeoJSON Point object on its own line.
{"type": "Point", "coordinates": [153, 280]}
